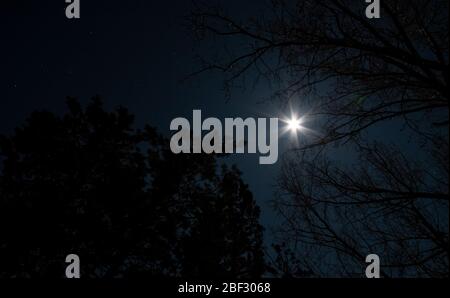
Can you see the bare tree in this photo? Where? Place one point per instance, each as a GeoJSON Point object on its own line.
{"type": "Point", "coordinates": [362, 73]}
{"type": "Point", "coordinates": [386, 204]}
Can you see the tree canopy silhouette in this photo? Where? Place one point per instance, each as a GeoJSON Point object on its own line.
{"type": "Point", "coordinates": [89, 183]}
{"type": "Point", "coordinates": [353, 75]}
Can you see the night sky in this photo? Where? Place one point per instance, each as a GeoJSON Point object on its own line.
{"type": "Point", "coordinates": [138, 54]}
{"type": "Point", "coordinates": [131, 53]}
{"type": "Point", "coordinates": [141, 55]}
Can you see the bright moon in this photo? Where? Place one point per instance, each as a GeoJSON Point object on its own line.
{"type": "Point", "coordinates": [294, 124]}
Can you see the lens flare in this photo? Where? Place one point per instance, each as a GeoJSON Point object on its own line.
{"type": "Point", "coordinates": [294, 124]}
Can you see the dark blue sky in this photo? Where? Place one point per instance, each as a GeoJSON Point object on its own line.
{"type": "Point", "coordinates": [131, 53]}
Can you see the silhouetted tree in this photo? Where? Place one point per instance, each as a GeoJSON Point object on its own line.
{"type": "Point", "coordinates": [374, 69]}
{"type": "Point", "coordinates": [89, 183]}
{"type": "Point", "coordinates": [353, 73]}
{"type": "Point", "coordinates": [385, 203]}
